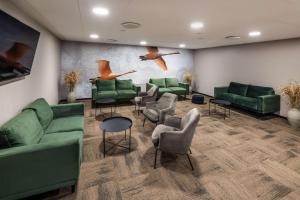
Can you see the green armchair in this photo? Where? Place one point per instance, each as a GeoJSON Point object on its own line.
{"type": "Point", "coordinates": [262, 100]}
{"type": "Point", "coordinates": [170, 85]}
{"type": "Point", "coordinates": [41, 149]}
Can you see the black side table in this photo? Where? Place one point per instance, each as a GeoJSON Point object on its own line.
{"type": "Point", "coordinates": [104, 102]}
{"type": "Point", "coordinates": [116, 124]}
{"type": "Point", "coordinates": [223, 103]}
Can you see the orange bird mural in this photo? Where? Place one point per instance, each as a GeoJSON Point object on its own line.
{"type": "Point", "coordinates": [106, 73]}
{"type": "Point", "coordinates": [155, 55]}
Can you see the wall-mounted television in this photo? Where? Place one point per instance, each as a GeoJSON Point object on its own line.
{"type": "Point", "coordinates": [18, 43]}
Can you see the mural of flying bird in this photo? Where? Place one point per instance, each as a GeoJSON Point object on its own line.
{"type": "Point", "coordinates": [155, 55]}
{"type": "Point", "coordinates": [106, 73]}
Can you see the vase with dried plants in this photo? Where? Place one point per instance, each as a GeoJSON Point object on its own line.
{"type": "Point", "coordinates": [71, 79]}
{"type": "Point", "coordinates": [188, 77]}
{"type": "Point", "coordinates": [292, 91]}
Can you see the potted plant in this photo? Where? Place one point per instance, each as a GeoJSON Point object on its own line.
{"type": "Point", "coordinates": [187, 77]}
{"type": "Point", "coordinates": [71, 79]}
{"type": "Point", "coordinates": [292, 91]}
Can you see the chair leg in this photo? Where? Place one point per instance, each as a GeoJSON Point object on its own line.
{"type": "Point", "coordinates": [144, 122]}
{"type": "Point", "coordinates": [156, 150]}
{"type": "Point", "coordinates": [190, 161]}
{"type": "Point", "coordinates": [73, 188]}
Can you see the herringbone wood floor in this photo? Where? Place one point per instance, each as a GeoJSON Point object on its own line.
{"type": "Point", "coordinates": [240, 158]}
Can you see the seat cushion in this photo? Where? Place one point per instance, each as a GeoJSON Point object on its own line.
{"type": "Point", "coordinates": [246, 102]}
{"type": "Point", "coordinates": [106, 85]}
{"type": "Point", "coordinates": [65, 124]}
{"type": "Point", "coordinates": [151, 114]}
{"type": "Point", "coordinates": [160, 82]}
{"type": "Point", "coordinates": [43, 111]}
{"type": "Point", "coordinates": [228, 97]}
{"type": "Point", "coordinates": [124, 84]}
{"type": "Point", "coordinates": [164, 90]}
{"type": "Point", "coordinates": [256, 91]}
{"type": "Point", "coordinates": [159, 130]}
{"type": "Point", "coordinates": [106, 94]}
{"type": "Point", "coordinates": [178, 90]}
{"type": "Point", "coordinates": [172, 82]}
{"type": "Point", "coordinates": [23, 129]}
{"type": "Point", "coordinates": [126, 94]}
{"type": "Point", "coordinates": [238, 88]}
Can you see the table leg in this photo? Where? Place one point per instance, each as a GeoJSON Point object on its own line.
{"type": "Point", "coordinates": [103, 143]}
{"type": "Point", "coordinates": [129, 139]}
{"type": "Point", "coordinates": [111, 110]}
{"type": "Point", "coordinates": [95, 111]}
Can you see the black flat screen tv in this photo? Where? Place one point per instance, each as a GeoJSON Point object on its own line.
{"type": "Point", "coordinates": [18, 43]}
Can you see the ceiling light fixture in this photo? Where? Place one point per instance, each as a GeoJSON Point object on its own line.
{"type": "Point", "coordinates": [94, 36]}
{"type": "Point", "coordinates": [254, 33]}
{"type": "Point", "coordinates": [100, 11]}
{"type": "Point", "coordinates": [182, 45]}
{"type": "Point", "coordinates": [143, 42]}
{"type": "Point", "coordinates": [197, 25]}
{"type": "Point", "coordinates": [234, 37]}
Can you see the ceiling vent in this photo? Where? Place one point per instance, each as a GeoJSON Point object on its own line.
{"type": "Point", "coordinates": [233, 37]}
{"type": "Point", "coordinates": [130, 25]}
{"type": "Point", "coordinates": [112, 40]}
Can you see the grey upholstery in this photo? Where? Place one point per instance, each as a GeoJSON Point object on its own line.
{"type": "Point", "coordinates": [157, 111]}
{"type": "Point", "coordinates": [145, 97]}
{"type": "Point", "coordinates": [175, 135]}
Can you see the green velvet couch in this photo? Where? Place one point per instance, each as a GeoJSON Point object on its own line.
{"type": "Point", "coordinates": [121, 90]}
{"type": "Point", "coordinates": [170, 85]}
{"type": "Point", "coordinates": [262, 100]}
{"type": "Point", "coordinates": [41, 149]}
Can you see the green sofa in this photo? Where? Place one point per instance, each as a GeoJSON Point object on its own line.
{"type": "Point", "coordinates": [262, 100]}
{"type": "Point", "coordinates": [121, 90]}
{"type": "Point", "coordinates": [41, 149]}
{"type": "Point", "coordinates": [170, 85]}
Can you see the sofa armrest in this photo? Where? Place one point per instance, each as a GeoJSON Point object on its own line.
{"type": "Point", "coordinates": [30, 167]}
{"type": "Point", "coordinates": [220, 90]}
{"type": "Point", "coordinates": [137, 89]}
{"type": "Point", "coordinates": [186, 86]}
{"type": "Point", "coordinates": [65, 110]}
{"type": "Point", "coordinates": [94, 92]}
{"type": "Point", "coordinates": [148, 86]}
{"type": "Point", "coordinates": [268, 103]}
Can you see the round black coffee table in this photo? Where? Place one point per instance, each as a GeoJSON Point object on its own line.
{"type": "Point", "coordinates": [116, 124]}
{"type": "Point", "coordinates": [223, 103]}
{"type": "Point", "coordinates": [104, 102]}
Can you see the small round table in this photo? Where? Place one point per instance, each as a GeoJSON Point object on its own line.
{"type": "Point", "coordinates": [116, 124]}
{"type": "Point", "coordinates": [225, 104]}
{"type": "Point", "coordinates": [105, 102]}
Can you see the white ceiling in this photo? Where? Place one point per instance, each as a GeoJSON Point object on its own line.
{"type": "Point", "coordinates": [167, 22]}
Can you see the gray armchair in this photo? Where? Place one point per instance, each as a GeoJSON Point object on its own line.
{"type": "Point", "coordinates": [176, 134]}
{"type": "Point", "coordinates": [157, 111]}
{"type": "Point", "coordinates": [144, 97]}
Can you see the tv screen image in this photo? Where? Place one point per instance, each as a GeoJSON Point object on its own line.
{"type": "Point", "coordinates": [18, 43]}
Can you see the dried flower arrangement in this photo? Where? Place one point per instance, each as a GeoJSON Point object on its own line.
{"type": "Point", "coordinates": [188, 77]}
{"type": "Point", "coordinates": [292, 91]}
{"type": "Point", "coordinates": [71, 79]}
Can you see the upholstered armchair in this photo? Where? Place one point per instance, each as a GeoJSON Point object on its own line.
{"type": "Point", "coordinates": [176, 134]}
{"type": "Point", "coordinates": [156, 111]}
{"type": "Point", "coordinates": [144, 97]}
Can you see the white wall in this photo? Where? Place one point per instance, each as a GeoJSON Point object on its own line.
{"type": "Point", "coordinates": [267, 64]}
{"type": "Point", "coordinates": [44, 78]}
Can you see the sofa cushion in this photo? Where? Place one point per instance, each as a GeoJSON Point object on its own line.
{"type": "Point", "coordinates": [256, 91]}
{"type": "Point", "coordinates": [238, 88]}
{"type": "Point", "coordinates": [64, 124]}
{"type": "Point", "coordinates": [178, 90]}
{"type": "Point", "coordinates": [228, 97]}
{"type": "Point", "coordinates": [124, 84]}
{"type": "Point", "coordinates": [23, 129]}
{"type": "Point", "coordinates": [246, 102]}
{"type": "Point", "coordinates": [126, 94]}
{"type": "Point", "coordinates": [172, 82]}
{"type": "Point", "coordinates": [43, 111]}
{"type": "Point", "coordinates": [106, 85]}
{"type": "Point", "coordinates": [160, 82]}
{"type": "Point", "coordinates": [164, 90]}
{"type": "Point", "coordinates": [106, 94]}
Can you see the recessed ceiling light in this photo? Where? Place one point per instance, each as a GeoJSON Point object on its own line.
{"type": "Point", "coordinates": [254, 33]}
{"type": "Point", "coordinates": [233, 37]}
{"type": "Point", "coordinates": [100, 11]}
{"type": "Point", "coordinates": [94, 36]}
{"type": "Point", "coordinates": [143, 42]}
{"type": "Point", "coordinates": [131, 25]}
{"type": "Point", "coordinates": [197, 25]}
{"type": "Point", "coordinates": [182, 45]}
